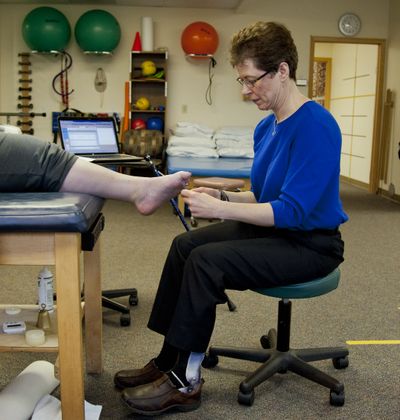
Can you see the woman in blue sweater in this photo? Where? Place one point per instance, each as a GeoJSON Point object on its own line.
{"type": "Point", "coordinates": [285, 230]}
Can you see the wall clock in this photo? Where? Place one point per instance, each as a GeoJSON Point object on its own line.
{"type": "Point", "coordinates": [349, 24]}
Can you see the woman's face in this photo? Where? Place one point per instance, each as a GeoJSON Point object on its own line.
{"type": "Point", "coordinates": [264, 92]}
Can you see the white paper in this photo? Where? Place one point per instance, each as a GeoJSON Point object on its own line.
{"type": "Point", "coordinates": [19, 398]}
{"type": "Point", "coordinates": [49, 408]}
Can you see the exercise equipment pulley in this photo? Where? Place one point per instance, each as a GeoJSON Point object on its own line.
{"type": "Point", "coordinates": [64, 92]}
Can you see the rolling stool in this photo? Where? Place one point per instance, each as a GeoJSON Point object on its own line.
{"type": "Point", "coordinates": [227, 184]}
{"type": "Point", "coordinates": [277, 356]}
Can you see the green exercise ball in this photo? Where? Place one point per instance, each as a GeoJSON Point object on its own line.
{"type": "Point", "coordinates": [97, 31]}
{"type": "Point", "coordinates": [45, 29]}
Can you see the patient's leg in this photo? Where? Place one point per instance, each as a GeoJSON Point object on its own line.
{"type": "Point", "coordinates": [147, 194]}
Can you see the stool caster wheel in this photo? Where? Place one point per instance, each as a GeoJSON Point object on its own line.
{"type": "Point", "coordinates": [246, 399]}
{"type": "Point", "coordinates": [340, 362]}
{"type": "Point", "coordinates": [337, 399]}
{"type": "Point", "coordinates": [209, 361]}
{"type": "Point", "coordinates": [125, 320]}
{"type": "Point", "coordinates": [133, 299]}
{"type": "Point", "coordinates": [268, 341]}
{"type": "Point", "coordinates": [264, 341]}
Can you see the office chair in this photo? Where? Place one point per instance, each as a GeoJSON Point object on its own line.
{"type": "Point", "coordinates": [276, 355]}
{"type": "Point", "coordinates": [107, 302]}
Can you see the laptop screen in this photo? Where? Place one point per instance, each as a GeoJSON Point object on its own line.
{"type": "Point", "coordinates": [84, 135]}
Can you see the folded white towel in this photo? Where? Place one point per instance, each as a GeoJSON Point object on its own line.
{"type": "Point", "coordinates": [191, 141]}
{"type": "Point", "coordinates": [185, 151]}
{"type": "Point", "coordinates": [235, 152]}
{"type": "Point", "coordinates": [234, 143]}
{"type": "Point", "coordinates": [199, 127]}
{"type": "Point", "coordinates": [235, 137]}
{"type": "Point", "coordinates": [236, 129]}
{"type": "Point", "coordinates": [190, 131]}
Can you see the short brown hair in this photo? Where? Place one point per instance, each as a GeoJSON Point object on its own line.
{"type": "Point", "coordinates": [267, 44]}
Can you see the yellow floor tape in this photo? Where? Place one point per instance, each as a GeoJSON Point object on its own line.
{"type": "Point", "coordinates": [368, 342]}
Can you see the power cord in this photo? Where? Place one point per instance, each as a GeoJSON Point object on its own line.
{"type": "Point", "coordinates": [212, 63]}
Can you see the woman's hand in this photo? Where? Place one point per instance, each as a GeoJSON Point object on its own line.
{"type": "Point", "coordinates": [210, 191]}
{"type": "Point", "coordinates": [203, 202]}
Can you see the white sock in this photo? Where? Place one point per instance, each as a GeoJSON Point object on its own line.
{"type": "Point", "coordinates": [193, 369]}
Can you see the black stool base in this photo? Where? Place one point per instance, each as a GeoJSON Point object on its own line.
{"type": "Point", "coordinates": [275, 361]}
{"type": "Point", "coordinates": [276, 356]}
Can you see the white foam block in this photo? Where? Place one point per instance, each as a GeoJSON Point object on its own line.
{"type": "Point", "coordinates": [19, 398]}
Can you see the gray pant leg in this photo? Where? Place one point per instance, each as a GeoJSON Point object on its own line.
{"type": "Point", "coordinates": [30, 164]}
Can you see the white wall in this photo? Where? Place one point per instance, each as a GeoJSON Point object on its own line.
{"type": "Point", "coordinates": [187, 81]}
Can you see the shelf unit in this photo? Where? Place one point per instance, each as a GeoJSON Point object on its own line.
{"type": "Point", "coordinates": [154, 89]}
{"type": "Point", "coordinates": [29, 314]}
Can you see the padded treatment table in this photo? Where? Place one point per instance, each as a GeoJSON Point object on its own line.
{"type": "Point", "coordinates": [53, 229]}
{"type": "Point", "coordinates": [211, 167]}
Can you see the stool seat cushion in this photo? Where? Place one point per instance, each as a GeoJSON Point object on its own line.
{"type": "Point", "coordinates": [222, 167]}
{"type": "Point", "coordinates": [48, 211]}
{"type": "Point", "coordinates": [305, 290]}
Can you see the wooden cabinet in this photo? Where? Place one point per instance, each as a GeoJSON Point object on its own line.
{"type": "Point", "coordinates": [152, 87]}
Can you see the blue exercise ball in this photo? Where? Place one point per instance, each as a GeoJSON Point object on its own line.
{"type": "Point", "coordinates": [46, 29]}
{"type": "Point", "coordinates": [97, 31]}
{"type": "Point", "coordinates": [155, 123]}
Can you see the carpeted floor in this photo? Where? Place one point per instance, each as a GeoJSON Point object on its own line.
{"type": "Point", "coordinates": [366, 306]}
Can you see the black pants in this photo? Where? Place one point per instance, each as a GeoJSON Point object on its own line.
{"type": "Point", "coordinates": [202, 263]}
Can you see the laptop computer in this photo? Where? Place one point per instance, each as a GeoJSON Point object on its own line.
{"type": "Point", "coordinates": [94, 138]}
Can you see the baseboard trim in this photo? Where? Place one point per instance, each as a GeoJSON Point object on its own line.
{"type": "Point", "coordinates": [385, 194]}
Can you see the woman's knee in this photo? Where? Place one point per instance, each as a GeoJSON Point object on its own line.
{"type": "Point", "coordinates": [204, 261]}
{"type": "Point", "coordinates": [185, 243]}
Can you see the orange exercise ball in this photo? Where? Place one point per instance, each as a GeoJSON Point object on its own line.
{"type": "Point", "coordinates": [199, 38]}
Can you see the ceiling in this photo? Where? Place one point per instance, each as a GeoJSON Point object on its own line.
{"type": "Point", "coordinates": [201, 4]}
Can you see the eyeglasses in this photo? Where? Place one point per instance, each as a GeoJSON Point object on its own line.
{"type": "Point", "coordinates": [251, 83]}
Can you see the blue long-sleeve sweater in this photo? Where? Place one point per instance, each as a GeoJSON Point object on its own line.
{"type": "Point", "coordinates": [296, 169]}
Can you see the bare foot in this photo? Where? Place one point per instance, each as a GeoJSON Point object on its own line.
{"type": "Point", "coordinates": [155, 191]}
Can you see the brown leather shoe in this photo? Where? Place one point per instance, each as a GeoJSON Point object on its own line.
{"type": "Point", "coordinates": [134, 377]}
{"type": "Point", "coordinates": [159, 396]}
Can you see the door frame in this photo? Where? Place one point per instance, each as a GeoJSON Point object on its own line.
{"type": "Point", "coordinates": [376, 159]}
{"type": "Point", "coordinates": [328, 79]}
